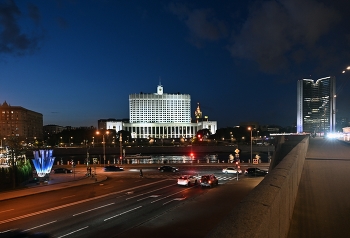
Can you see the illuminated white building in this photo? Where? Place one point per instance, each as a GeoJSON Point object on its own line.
{"type": "Point", "coordinates": [162, 115]}
{"type": "Point", "coordinates": [159, 107]}
{"type": "Point", "coordinates": [316, 105]}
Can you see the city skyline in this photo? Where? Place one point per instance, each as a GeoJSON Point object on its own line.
{"type": "Point", "coordinates": [78, 61]}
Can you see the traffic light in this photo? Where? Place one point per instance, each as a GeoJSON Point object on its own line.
{"type": "Point", "coordinates": [192, 155]}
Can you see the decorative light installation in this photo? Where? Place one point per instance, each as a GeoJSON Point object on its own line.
{"type": "Point", "coordinates": [43, 162]}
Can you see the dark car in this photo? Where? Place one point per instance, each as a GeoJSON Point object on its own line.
{"type": "Point", "coordinates": [208, 180]}
{"type": "Point", "coordinates": [110, 168]}
{"type": "Point", "coordinates": [62, 171]}
{"type": "Point", "coordinates": [167, 168]}
{"type": "Point", "coordinates": [255, 172]}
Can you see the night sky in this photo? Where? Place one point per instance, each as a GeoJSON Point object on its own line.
{"type": "Point", "coordinates": [77, 61]}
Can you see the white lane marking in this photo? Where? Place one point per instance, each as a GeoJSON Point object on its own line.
{"type": "Point", "coordinates": [149, 192]}
{"type": "Point", "coordinates": [152, 196]}
{"type": "Point", "coordinates": [179, 199]}
{"type": "Point", "coordinates": [122, 213]}
{"type": "Point", "coordinates": [93, 209]}
{"type": "Point", "coordinates": [40, 225]}
{"type": "Point", "coordinates": [72, 204]}
{"type": "Point", "coordinates": [3, 232]}
{"type": "Point", "coordinates": [7, 210]}
{"type": "Point", "coordinates": [73, 232]}
{"type": "Point", "coordinates": [176, 199]}
{"type": "Point", "coordinates": [171, 195]}
{"type": "Point", "coordinates": [68, 197]}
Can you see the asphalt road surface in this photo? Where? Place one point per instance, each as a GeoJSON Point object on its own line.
{"type": "Point", "coordinates": [126, 205]}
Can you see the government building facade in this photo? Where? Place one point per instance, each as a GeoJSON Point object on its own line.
{"type": "Point", "coordinates": [161, 115]}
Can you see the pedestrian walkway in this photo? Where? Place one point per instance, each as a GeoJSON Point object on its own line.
{"type": "Point", "coordinates": [56, 181]}
{"type": "Point", "coordinates": [323, 201]}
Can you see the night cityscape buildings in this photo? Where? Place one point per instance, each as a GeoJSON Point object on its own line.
{"type": "Point", "coordinates": [20, 122]}
{"type": "Point", "coordinates": [161, 115]}
{"type": "Point", "coordinates": [316, 105]}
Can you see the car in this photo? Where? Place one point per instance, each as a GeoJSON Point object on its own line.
{"type": "Point", "coordinates": [255, 172]}
{"type": "Point", "coordinates": [208, 180]}
{"type": "Point", "coordinates": [111, 168]}
{"type": "Point", "coordinates": [62, 171]}
{"type": "Point", "coordinates": [231, 170]}
{"type": "Point", "coordinates": [167, 168]}
{"type": "Point", "coordinates": [187, 180]}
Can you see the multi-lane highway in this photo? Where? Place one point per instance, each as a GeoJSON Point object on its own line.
{"type": "Point", "coordinates": [126, 205]}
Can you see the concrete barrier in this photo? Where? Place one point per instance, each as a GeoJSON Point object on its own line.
{"type": "Point", "coordinates": [267, 210]}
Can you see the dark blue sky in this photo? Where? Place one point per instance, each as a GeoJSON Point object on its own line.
{"type": "Point", "coordinates": [77, 61]}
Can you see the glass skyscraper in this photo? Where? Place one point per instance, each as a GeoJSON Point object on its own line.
{"type": "Point", "coordinates": [316, 106]}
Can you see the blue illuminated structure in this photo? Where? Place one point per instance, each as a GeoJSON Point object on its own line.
{"type": "Point", "coordinates": [43, 162]}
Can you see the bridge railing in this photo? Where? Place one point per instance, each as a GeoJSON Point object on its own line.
{"type": "Point", "coordinates": [268, 209]}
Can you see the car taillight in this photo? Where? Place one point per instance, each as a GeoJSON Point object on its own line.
{"type": "Point", "coordinates": [209, 181]}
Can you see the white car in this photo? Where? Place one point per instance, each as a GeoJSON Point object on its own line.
{"type": "Point", "coordinates": [187, 180]}
{"type": "Point", "coordinates": [230, 170]}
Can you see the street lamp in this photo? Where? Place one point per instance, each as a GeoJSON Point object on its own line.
{"type": "Point", "coordinates": [121, 147]}
{"type": "Point", "coordinates": [251, 142]}
{"type": "Point", "coordinates": [104, 146]}
{"type": "Point", "coordinates": [347, 68]}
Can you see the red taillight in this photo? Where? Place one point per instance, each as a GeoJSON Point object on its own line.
{"type": "Point", "coordinates": [209, 181]}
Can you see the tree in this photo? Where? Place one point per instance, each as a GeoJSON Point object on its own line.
{"type": "Point", "coordinates": [16, 152]}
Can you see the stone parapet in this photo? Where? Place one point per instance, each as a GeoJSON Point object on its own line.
{"type": "Point", "coordinates": [268, 209]}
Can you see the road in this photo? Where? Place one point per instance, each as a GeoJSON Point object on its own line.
{"type": "Point", "coordinates": [126, 205]}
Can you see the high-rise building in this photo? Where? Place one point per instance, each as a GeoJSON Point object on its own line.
{"type": "Point", "coordinates": [21, 122]}
{"type": "Point", "coordinates": [159, 107]}
{"type": "Point", "coordinates": [316, 105]}
{"type": "Point", "coordinates": [161, 115]}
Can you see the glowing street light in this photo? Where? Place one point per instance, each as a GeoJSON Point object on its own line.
{"type": "Point", "coordinates": [251, 142]}
{"type": "Point", "coordinates": [104, 146]}
{"type": "Point", "coordinates": [347, 68]}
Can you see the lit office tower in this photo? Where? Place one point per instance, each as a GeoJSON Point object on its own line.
{"type": "Point", "coordinates": [316, 105]}
{"type": "Point", "coordinates": [160, 107]}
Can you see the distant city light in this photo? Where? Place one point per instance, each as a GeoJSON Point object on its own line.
{"type": "Point", "coordinates": [334, 135]}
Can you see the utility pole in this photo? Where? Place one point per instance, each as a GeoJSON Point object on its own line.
{"type": "Point", "coordinates": [121, 147]}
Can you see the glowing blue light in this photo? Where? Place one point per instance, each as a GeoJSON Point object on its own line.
{"type": "Point", "coordinates": [43, 162]}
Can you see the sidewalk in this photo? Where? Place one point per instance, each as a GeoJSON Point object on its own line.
{"type": "Point", "coordinates": [56, 182]}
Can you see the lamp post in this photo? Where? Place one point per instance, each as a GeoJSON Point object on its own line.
{"type": "Point", "coordinates": [121, 147]}
{"type": "Point", "coordinates": [251, 142]}
{"type": "Point", "coordinates": [104, 146]}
